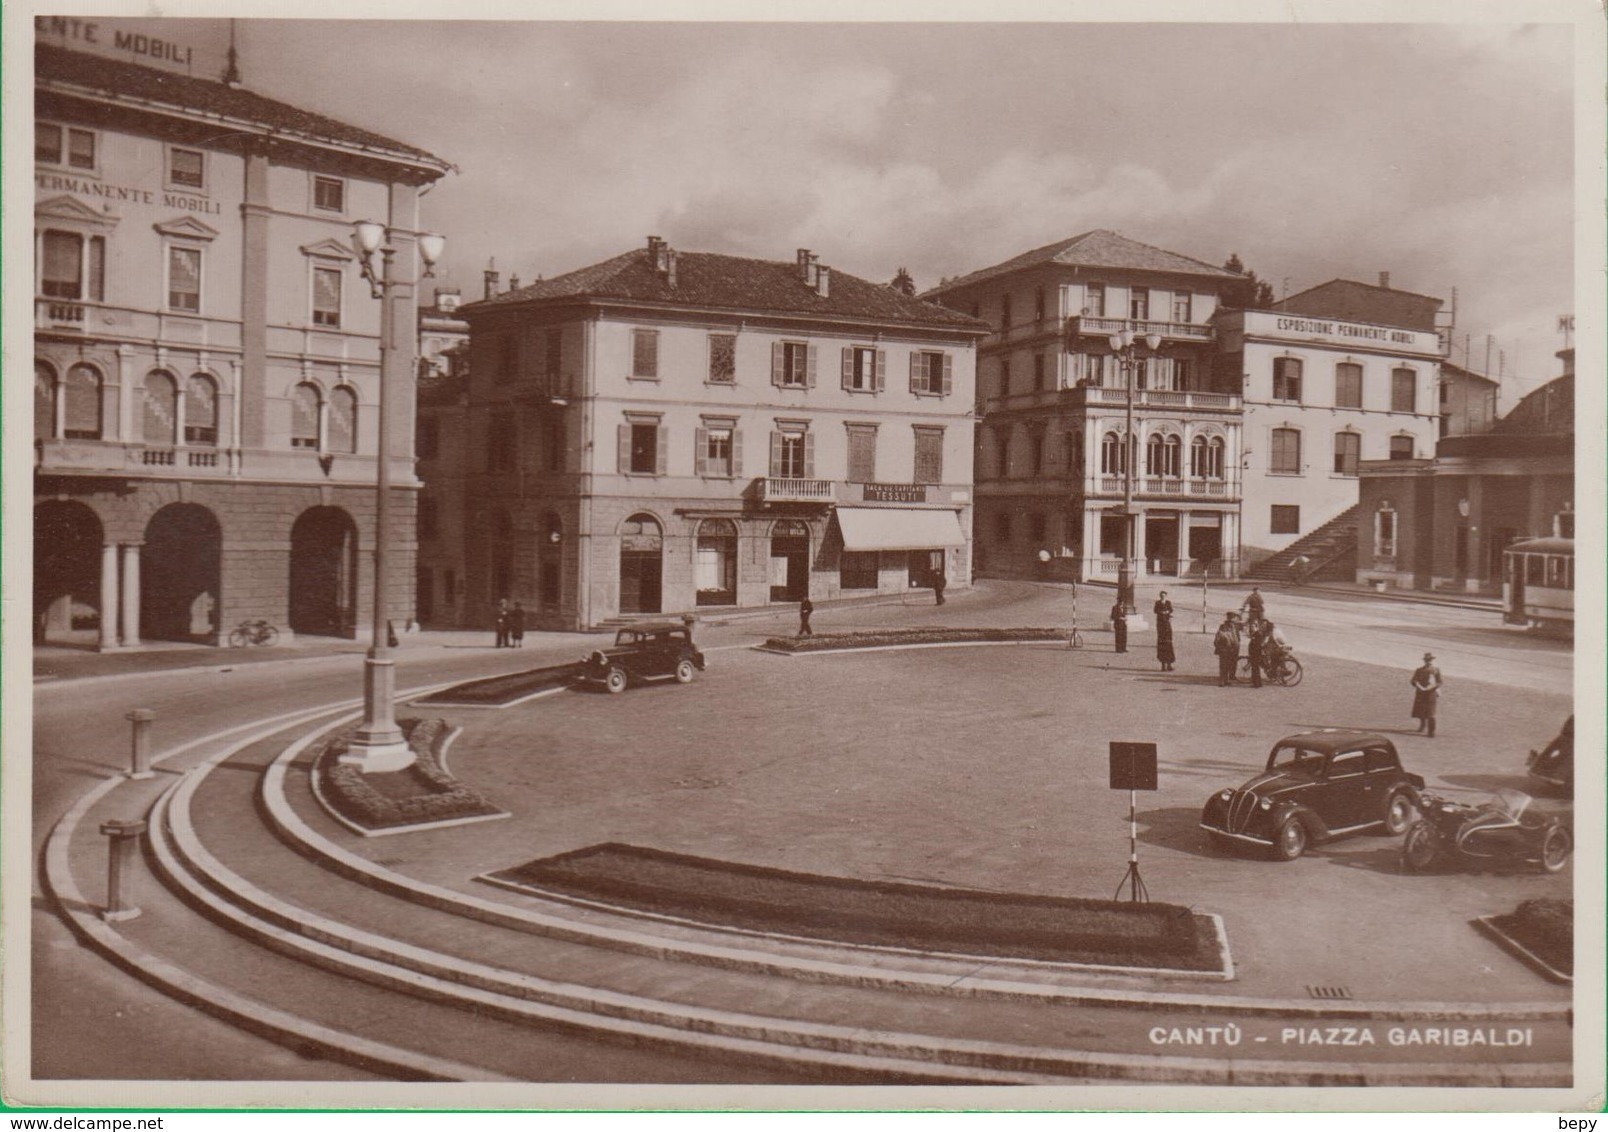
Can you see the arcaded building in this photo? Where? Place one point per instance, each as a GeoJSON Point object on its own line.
{"type": "Point", "coordinates": [207, 358]}
{"type": "Point", "coordinates": [669, 432]}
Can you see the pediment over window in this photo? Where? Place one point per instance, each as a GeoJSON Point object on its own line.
{"type": "Point", "coordinates": [71, 210]}
{"type": "Point", "coordinates": [328, 249]}
{"type": "Point", "coordinates": [188, 228]}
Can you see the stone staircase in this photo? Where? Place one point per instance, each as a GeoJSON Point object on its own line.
{"type": "Point", "coordinates": [1330, 554]}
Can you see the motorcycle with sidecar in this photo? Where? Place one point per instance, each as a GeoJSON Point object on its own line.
{"type": "Point", "coordinates": [1506, 828]}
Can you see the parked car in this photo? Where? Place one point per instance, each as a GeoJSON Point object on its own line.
{"type": "Point", "coordinates": [642, 652]}
{"type": "Point", "coordinates": [1554, 764]}
{"type": "Point", "coordinates": [1317, 785]}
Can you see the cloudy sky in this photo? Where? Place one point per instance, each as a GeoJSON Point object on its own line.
{"type": "Point", "coordinates": [1441, 153]}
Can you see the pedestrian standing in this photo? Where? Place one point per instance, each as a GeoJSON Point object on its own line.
{"type": "Point", "coordinates": [938, 583]}
{"type": "Point", "coordinates": [516, 626]}
{"type": "Point", "coordinates": [1165, 655]}
{"type": "Point", "coordinates": [1255, 639]}
{"type": "Point", "coordinates": [805, 608]}
{"type": "Point", "coordinates": [1226, 645]}
{"type": "Point", "coordinates": [1426, 694]}
{"type": "Point", "coordinates": [1119, 625]}
{"type": "Point", "coordinates": [1254, 606]}
{"type": "Point", "coordinates": [502, 623]}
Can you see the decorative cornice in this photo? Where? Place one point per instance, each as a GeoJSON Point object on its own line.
{"type": "Point", "coordinates": [188, 228]}
{"type": "Point", "coordinates": [70, 210]}
{"type": "Point", "coordinates": [328, 249]}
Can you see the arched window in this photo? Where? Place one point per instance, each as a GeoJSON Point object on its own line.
{"type": "Point", "coordinates": [81, 408]}
{"type": "Point", "coordinates": [1206, 457]}
{"type": "Point", "coordinates": [161, 413]}
{"type": "Point", "coordinates": [1111, 461]}
{"type": "Point", "coordinates": [715, 566]}
{"type": "Point", "coordinates": [201, 411]}
{"type": "Point", "coordinates": [44, 402]}
{"type": "Point", "coordinates": [304, 413]}
{"type": "Point", "coordinates": [342, 420]}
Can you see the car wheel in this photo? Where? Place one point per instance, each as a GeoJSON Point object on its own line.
{"type": "Point", "coordinates": [1420, 849]}
{"type": "Point", "coordinates": [1291, 840]}
{"type": "Point", "coordinates": [1398, 812]}
{"type": "Point", "coordinates": [1555, 849]}
{"type": "Point", "coordinates": [684, 672]}
{"type": "Point", "coordinates": [615, 681]}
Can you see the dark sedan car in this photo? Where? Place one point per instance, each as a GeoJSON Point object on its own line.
{"type": "Point", "coordinates": [1317, 785]}
{"type": "Point", "coordinates": [642, 652]}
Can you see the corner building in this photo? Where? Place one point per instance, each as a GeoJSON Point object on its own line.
{"type": "Point", "coordinates": [1053, 451]}
{"type": "Point", "coordinates": [207, 358]}
{"type": "Point", "coordinates": [667, 431]}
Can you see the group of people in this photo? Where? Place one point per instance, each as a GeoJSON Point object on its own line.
{"type": "Point", "coordinates": [510, 625]}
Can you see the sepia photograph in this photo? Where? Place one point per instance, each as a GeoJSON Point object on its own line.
{"type": "Point", "coordinates": [804, 558]}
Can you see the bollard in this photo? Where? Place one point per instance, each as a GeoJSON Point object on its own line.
{"type": "Point", "coordinates": [123, 835]}
{"type": "Point", "coordinates": [140, 742]}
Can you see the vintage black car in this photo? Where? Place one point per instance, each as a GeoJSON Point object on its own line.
{"type": "Point", "coordinates": [1317, 785]}
{"type": "Point", "coordinates": [641, 652]}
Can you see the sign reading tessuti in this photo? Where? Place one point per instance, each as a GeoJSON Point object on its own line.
{"type": "Point", "coordinates": [895, 493]}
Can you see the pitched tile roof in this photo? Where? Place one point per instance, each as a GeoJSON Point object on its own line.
{"type": "Point", "coordinates": [1099, 248]}
{"type": "Point", "coordinates": [707, 280]}
{"type": "Point", "coordinates": [1363, 302]}
{"type": "Point", "coordinates": [68, 71]}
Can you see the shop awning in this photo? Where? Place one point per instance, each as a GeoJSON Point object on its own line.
{"type": "Point", "coordinates": [898, 528]}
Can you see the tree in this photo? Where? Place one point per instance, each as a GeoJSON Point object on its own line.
{"type": "Point", "coordinates": [903, 283]}
{"type": "Point", "coordinates": [1249, 292]}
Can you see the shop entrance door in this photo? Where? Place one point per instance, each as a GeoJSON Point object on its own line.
{"type": "Point", "coordinates": [790, 561]}
{"type": "Point", "coordinates": [924, 565]}
{"type": "Point", "coordinates": [1161, 544]}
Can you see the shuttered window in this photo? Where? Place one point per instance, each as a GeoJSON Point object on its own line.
{"type": "Point", "coordinates": [642, 448]}
{"type": "Point", "coordinates": [862, 454]}
{"type": "Point", "coordinates": [1347, 451]}
{"type": "Point", "coordinates": [1403, 391]}
{"type": "Point", "coordinates": [645, 354]}
{"type": "Point", "coordinates": [1286, 379]}
{"type": "Point", "coordinates": [793, 365]}
{"type": "Point", "coordinates": [864, 368]}
{"type": "Point", "coordinates": [1286, 455]}
{"type": "Point", "coordinates": [1348, 385]}
{"type": "Point", "coordinates": [717, 451]}
{"type": "Point", "coordinates": [722, 358]}
{"type": "Point", "coordinates": [931, 373]}
{"type": "Point", "coordinates": [929, 462]}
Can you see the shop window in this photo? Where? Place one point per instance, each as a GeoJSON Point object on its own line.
{"type": "Point", "coordinates": [1348, 385]}
{"type": "Point", "coordinates": [1285, 459]}
{"type": "Point", "coordinates": [715, 562]}
{"type": "Point", "coordinates": [857, 570]}
{"type": "Point", "coordinates": [1285, 519]}
{"type": "Point", "coordinates": [1347, 451]}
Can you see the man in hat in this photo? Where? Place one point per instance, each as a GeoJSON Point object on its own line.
{"type": "Point", "coordinates": [1426, 694]}
{"type": "Point", "coordinates": [1227, 645]}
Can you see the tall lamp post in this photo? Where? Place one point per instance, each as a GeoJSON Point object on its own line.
{"type": "Point", "coordinates": [1125, 347]}
{"type": "Point", "coordinates": [379, 744]}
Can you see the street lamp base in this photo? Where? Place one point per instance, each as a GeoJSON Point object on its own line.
{"type": "Point", "coordinates": [377, 758]}
{"type": "Point", "coordinates": [378, 744]}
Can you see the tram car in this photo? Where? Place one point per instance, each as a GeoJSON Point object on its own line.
{"type": "Point", "coordinates": [1538, 579]}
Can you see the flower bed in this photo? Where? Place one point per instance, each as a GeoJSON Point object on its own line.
{"type": "Point", "coordinates": [420, 794]}
{"type": "Point", "coordinates": [881, 638]}
{"type": "Point", "coordinates": [495, 691]}
{"type": "Point", "coordinates": [1544, 928]}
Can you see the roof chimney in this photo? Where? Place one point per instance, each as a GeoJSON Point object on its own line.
{"type": "Point", "coordinates": [670, 266]}
{"type": "Point", "coordinates": [513, 282]}
{"type": "Point", "coordinates": [491, 276]}
{"type": "Point", "coordinates": [1384, 280]}
{"type": "Point", "coordinates": [804, 260]}
{"type": "Point", "coordinates": [823, 281]}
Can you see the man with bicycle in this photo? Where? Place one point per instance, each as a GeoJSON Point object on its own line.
{"type": "Point", "coordinates": [1268, 645]}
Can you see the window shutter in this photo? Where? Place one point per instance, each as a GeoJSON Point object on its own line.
{"type": "Point", "coordinates": [700, 451]}
{"type": "Point", "coordinates": [736, 453]}
{"type": "Point", "coordinates": [882, 367]}
{"type": "Point", "coordinates": [776, 454]}
{"type": "Point", "coordinates": [625, 449]}
{"type": "Point", "coordinates": [915, 368]}
{"type": "Point", "coordinates": [777, 359]}
{"type": "Point", "coordinates": [809, 455]}
{"type": "Point", "coordinates": [848, 367]}
{"type": "Point", "coordinates": [949, 375]}
{"type": "Point", "coordinates": [809, 367]}
{"type": "Point", "coordinates": [661, 446]}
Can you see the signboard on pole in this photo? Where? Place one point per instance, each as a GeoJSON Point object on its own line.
{"type": "Point", "coordinates": [1133, 766]}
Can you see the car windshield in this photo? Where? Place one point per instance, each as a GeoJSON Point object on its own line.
{"type": "Point", "coordinates": [1300, 760]}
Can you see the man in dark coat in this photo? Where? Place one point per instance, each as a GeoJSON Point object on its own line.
{"type": "Point", "coordinates": [502, 623]}
{"type": "Point", "coordinates": [805, 608]}
{"type": "Point", "coordinates": [1426, 694]}
{"type": "Point", "coordinates": [1254, 641]}
{"type": "Point", "coordinates": [938, 583]}
{"type": "Point", "coordinates": [516, 626]}
{"type": "Point", "coordinates": [1165, 656]}
{"type": "Point", "coordinates": [1226, 645]}
{"type": "Point", "coordinates": [1119, 625]}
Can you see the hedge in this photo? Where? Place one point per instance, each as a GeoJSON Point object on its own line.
{"type": "Point", "coordinates": [416, 795]}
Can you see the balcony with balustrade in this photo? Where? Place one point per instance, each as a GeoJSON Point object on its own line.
{"type": "Point", "coordinates": [777, 489]}
{"type": "Point", "coordinates": [60, 314]}
{"type": "Point", "coordinates": [1098, 326]}
{"type": "Point", "coordinates": [1171, 400]}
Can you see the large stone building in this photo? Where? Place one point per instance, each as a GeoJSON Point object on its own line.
{"type": "Point", "coordinates": [207, 357]}
{"type": "Point", "coordinates": [670, 431]}
{"type": "Point", "coordinates": [1053, 402]}
{"type": "Point", "coordinates": [1340, 374]}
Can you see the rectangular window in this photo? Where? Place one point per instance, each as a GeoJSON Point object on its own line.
{"type": "Point", "coordinates": [1139, 303]}
{"type": "Point", "coordinates": [326, 296]}
{"type": "Point", "coordinates": [644, 447]}
{"type": "Point", "coordinates": [187, 168]}
{"type": "Point", "coordinates": [1095, 300]}
{"type": "Point", "coordinates": [1385, 534]}
{"type": "Point", "coordinates": [1401, 448]}
{"type": "Point", "coordinates": [930, 372]}
{"type": "Point", "coordinates": [929, 463]}
{"type": "Point", "coordinates": [1403, 391]}
{"type": "Point", "coordinates": [858, 570]}
{"type": "Point", "coordinates": [1183, 306]}
{"type": "Point", "coordinates": [55, 145]}
{"type": "Point", "coordinates": [96, 267]}
{"type": "Point", "coordinates": [645, 354]}
{"type": "Point", "coordinates": [863, 368]}
{"type": "Point", "coordinates": [80, 149]}
{"type": "Point", "coordinates": [1286, 379]}
{"type": "Point", "coordinates": [715, 451]}
{"type": "Point", "coordinates": [1038, 372]}
{"type": "Point", "coordinates": [1347, 450]}
{"type": "Point", "coordinates": [792, 365]}
{"type": "Point", "coordinates": [792, 455]}
{"type": "Point", "coordinates": [61, 267]}
{"type": "Point", "coordinates": [722, 358]}
{"type": "Point", "coordinates": [1286, 456]}
{"type": "Point", "coordinates": [862, 454]}
{"type": "Point", "coordinates": [1348, 385]}
{"type": "Point", "coordinates": [507, 359]}
{"type": "Point", "coordinates": [184, 279]}
{"type": "Point", "coordinates": [47, 143]}
{"type": "Point", "coordinates": [329, 194]}
{"type": "Point", "coordinates": [1285, 520]}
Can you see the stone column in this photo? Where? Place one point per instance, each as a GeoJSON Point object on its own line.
{"type": "Point", "coordinates": [131, 594]}
{"type": "Point", "coordinates": [108, 597]}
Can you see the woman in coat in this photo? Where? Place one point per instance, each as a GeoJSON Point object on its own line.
{"type": "Point", "coordinates": [1164, 633]}
{"type": "Point", "coordinates": [1426, 694]}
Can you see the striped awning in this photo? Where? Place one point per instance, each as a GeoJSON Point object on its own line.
{"type": "Point", "coordinates": [898, 528]}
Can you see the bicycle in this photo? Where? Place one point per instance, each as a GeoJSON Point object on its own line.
{"type": "Point", "coordinates": [1283, 670]}
{"type": "Point", "coordinates": [253, 632]}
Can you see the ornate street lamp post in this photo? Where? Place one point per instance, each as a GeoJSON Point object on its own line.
{"type": "Point", "coordinates": [1125, 346]}
{"type": "Point", "coordinates": [379, 744]}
